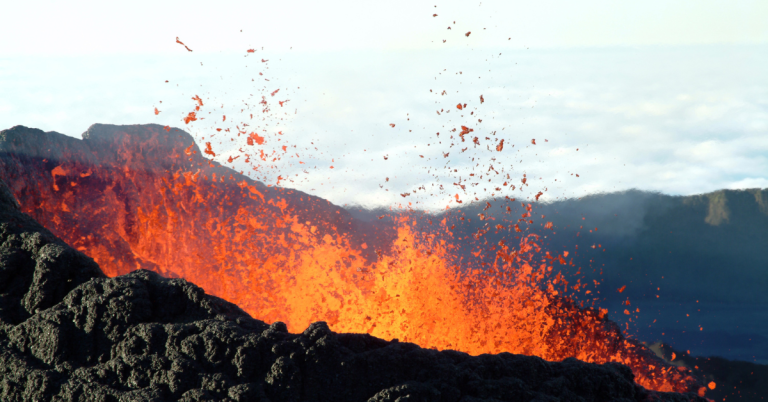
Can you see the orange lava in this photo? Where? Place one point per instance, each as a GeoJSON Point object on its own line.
{"type": "Point", "coordinates": [283, 255]}
{"type": "Point", "coordinates": [413, 293]}
{"type": "Point", "coordinates": [253, 246]}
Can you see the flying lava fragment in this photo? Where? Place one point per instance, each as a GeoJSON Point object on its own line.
{"type": "Point", "coordinates": [190, 117]}
{"type": "Point", "coordinates": [253, 137]}
{"type": "Point", "coordinates": [208, 149]}
{"type": "Point", "coordinates": [182, 44]}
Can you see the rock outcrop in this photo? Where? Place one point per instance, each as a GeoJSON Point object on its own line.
{"type": "Point", "coordinates": [69, 333]}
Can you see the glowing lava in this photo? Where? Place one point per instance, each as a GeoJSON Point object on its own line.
{"type": "Point", "coordinates": [132, 197]}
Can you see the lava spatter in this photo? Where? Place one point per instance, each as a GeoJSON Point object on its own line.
{"type": "Point", "coordinates": [151, 199]}
{"type": "Point", "coordinates": [283, 255]}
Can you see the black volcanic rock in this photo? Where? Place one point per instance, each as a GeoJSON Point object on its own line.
{"type": "Point", "coordinates": [69, 333]}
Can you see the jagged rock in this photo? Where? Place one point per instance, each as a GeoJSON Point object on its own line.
{"type": "Point", "coordinates": [69, 333]}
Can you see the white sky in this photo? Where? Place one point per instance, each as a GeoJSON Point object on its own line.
{"type": "Point", "coordinates": [97, 27]}
{"type": "Point", "coordinates": [658, 96]}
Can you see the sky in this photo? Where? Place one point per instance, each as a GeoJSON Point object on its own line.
{"type": "Point", "coordinates": [649, 95]}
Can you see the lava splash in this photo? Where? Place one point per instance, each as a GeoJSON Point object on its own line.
{"type": "Point", "coordinates": [144, 197]}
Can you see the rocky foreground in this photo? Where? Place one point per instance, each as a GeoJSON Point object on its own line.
{"type": "Point", "coordinates": [69, 333]}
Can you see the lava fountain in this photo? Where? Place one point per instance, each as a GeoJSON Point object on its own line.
{"type": "Point", "coordinates": [145, 197]}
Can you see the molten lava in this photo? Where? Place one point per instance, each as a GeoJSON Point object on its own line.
{"type": "Point", "coordinates": [131, 197]}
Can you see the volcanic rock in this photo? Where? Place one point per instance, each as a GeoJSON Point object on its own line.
{"type": "Point", "coordinates": [69, 333]}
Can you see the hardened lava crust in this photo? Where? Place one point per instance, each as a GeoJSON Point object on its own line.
{"type": "Point", "coordinates": [69, 333]}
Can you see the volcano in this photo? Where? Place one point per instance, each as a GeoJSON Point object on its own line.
{"type": "Point", "coordinates": [145, 204]}
{"type": "Point", "coordinates": [68, 332]}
